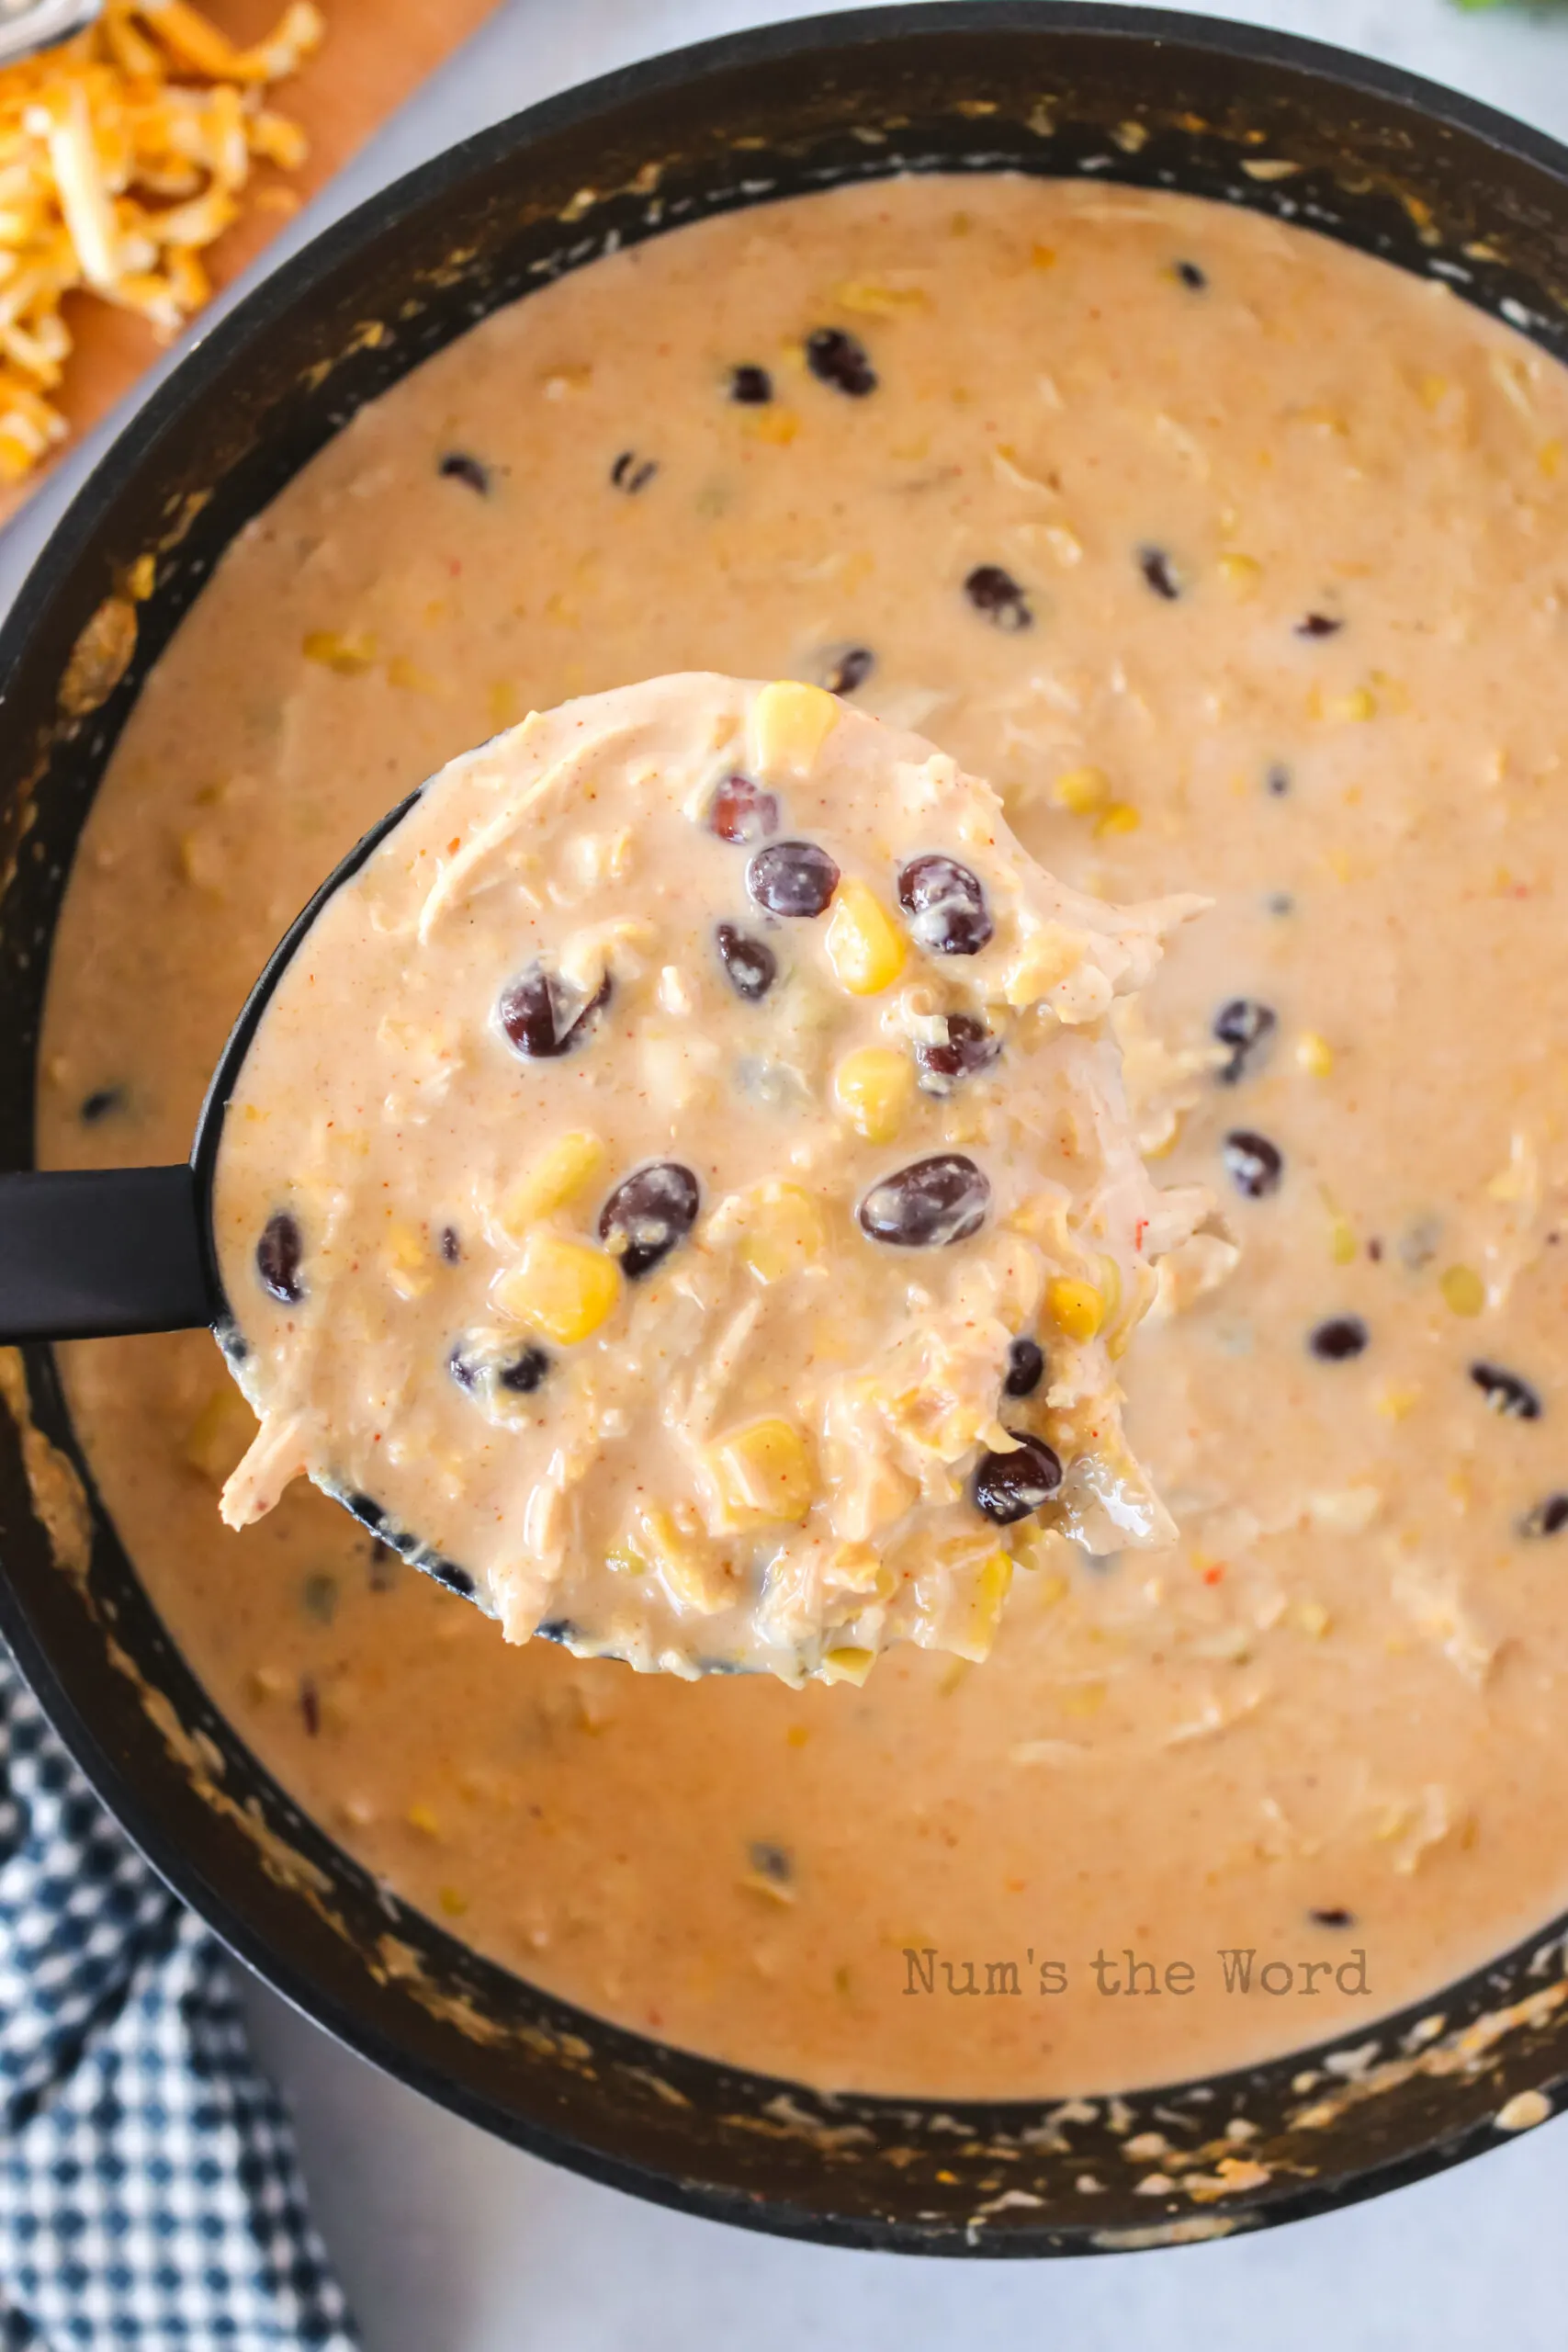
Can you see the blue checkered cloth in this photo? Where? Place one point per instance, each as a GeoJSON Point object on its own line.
{"type": "Point", "coordinates": [149, 2194]}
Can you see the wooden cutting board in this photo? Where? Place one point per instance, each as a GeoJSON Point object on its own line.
{"type": "Point", "coordinates": [376, 54]}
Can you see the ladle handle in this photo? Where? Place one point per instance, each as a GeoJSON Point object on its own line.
{"type": "Point", "coordinates": [89, 1254]}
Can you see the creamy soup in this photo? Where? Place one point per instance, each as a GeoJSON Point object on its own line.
{"type": "Point", "coordinates": [1235, 561]}
{"type": "Point", "coordinates": [683, 1189]}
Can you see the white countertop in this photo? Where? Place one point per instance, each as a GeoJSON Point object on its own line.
{"type": "Point", "coordinates": [450, 2242]}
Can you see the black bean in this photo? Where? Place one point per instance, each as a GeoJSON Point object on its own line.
{"type": "Point", "coordinates": [1342, 1337]}
{"type": "Point", "coordinates": [791, 878]}
{"type": "Point", "coordinates": [1332, 1915]}
{"type": "Point", "coordinates": [1246, 1026]}
{"type": "Point", "coordinates": [749, 964]}
{"type": "Point", "coordinates": [451, 1245]}
{"type": "Point", "coordinates": [458, 466]}
{"type": "Point", "coordinates": [278, 1253]}
{"type": "Point", "coordinates": [523, 1372]}
{"type": "Point", "coordinates": [970, 1047]}
{"type": "Point", "coordinates": [448, 1573]}
{"type": "Point", "coordinates": [1009, 1486]}
{"type": "Point", "coordinates": [100, 1103]}
{"type": "Point", "coordinates": [1253, 1164]}
{"type": "Point", "coordinates": [632, 473]}
{"type": "Point", "coordinates": [317, 1598]}
{"type": "Point", "coordinates": [945, 904]}
{"type": "Point", "coordinates": [649, 1212]}
{"type": "Point", "coordinates": [771, 1862]}
{"type": "Point", "coordinates": [751, 386]}
{"type": "Point", "coordinates": [1026, 1368]}
{"type": "Point", "coordinates": [928, 1205]}
{"type": "Point", "coordinates": [544, 1016]}
{"type": "Point", "coordinates": [837, 358]}
{"type": "Point", "coordinates": [1191, 276]}
{"type": "Point", "coordinates": [1160, 573]}
{"type": "Point", "coordinates": [850, 669]}
{"type": "Point", "coordinates": [743, 812]}
{"type": "Point", "coordinates": [1547, 1518]}
{"type": "Point", "coordinates": [309, 1706]}
{"type": "Point", "coordinates": [1277, 779]}
{"type": "Point", "coordinates": [1505, 1392]}
{"type": "Point", "coordinates": [1319, 625]}
{"type": "Point", "coordinates": [997, 593]}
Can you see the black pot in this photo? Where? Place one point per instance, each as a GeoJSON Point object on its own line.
{"type": "Point", "coordinates": [1433, 183]}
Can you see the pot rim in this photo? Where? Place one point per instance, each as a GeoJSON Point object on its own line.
{"type": "Point", "coordinates": [135, 446]}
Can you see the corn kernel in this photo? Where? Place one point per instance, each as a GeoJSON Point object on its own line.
{"type": "Point", "coordinates": [219, 1434]}
{"type": "Point", "coordinates": [453, 1901]}
{"type": "Point", "coordinates": [1241, 574]}
{"type": "Point", "coordinates": [874, 1088]}
{"type": "Point", "coordinates": [693, 1576]}
{"type": "Point", "coordinates": [348, 654]}
{"type": "Point", "coordinates": [1315, 1055]}
{"type": "Point", "coordinates": [564, 1168]}
{"type": "Point", "coordinates": [785, 1234]}
{"type": "Point", "coordinates": [993, 1582]}
{"type": "Point", "coordinates": [872, 299]}
{"type": "Point", "coordinates": [790, 723]}
{"type": "Point", "coordinates": [777, 425]}
{"type": "Point", "coordinates": [1359, 704]}
{"type": "Point", "coordinates": [1044, 961]}
{"type": "Point", "coordinates": [406, 1263]}
{"type": "Point", "coordinates": [762, 1473]}
{"type": "Point", "coordinates": [1119, 818]}
{"type": "Point", "coordinates": [1463, 1291]}
{"type": "Point", "coordinates": [423, 1819]}
{"type": "Point", "coordinates": [1081, 791]}
{"type": "Point", "coordinates": [1395, 1403]}
{"type": "Point", "coordinates": [1076, 1309]}
{"type": "Point", "coordinates": [865, 947]}
{"type": "Point", "coordinates": [1551, 455]}
{"type": "Point", "coordinates": [1343, 1246]}
{"type": "Point", "coordinates": [563, 1288]}
{"type": "Point", "coordinates": [846, 1664]}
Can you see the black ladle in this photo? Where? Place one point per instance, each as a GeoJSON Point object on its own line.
{"type": "Point", "coordinates": [96, 1253]}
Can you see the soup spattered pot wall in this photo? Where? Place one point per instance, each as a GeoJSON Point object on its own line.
{"type": "Point", "coordinates": [1433, 184]}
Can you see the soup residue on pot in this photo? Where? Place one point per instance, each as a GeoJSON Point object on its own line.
{"type": "Point", "coordinates": [1234, 559]}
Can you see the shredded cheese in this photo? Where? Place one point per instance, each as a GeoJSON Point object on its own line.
{"type": "Point", "coordinates": [123, 154]}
